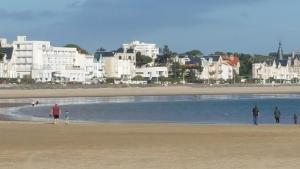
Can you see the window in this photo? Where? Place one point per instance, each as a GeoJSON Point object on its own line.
{"type": "Point", "coordinates": [120, 57]}
{"type": "Point", "coordinates": [18, 46]}
{"type": "Point", "coordinates": [129, 57]}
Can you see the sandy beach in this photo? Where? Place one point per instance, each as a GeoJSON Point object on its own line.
{"type": "Point", "coordinates": [9, 93]}
{"type": "Point", "coordinates": [149, 146]}
{"type": "Point", "coordinates": [40, 145]}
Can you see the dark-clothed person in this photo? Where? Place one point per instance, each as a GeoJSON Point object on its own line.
{"type": "Point", "coordinates": [255, 113]}
{"type": "Point", "coordinates": [277, 115]}
{"type": "Point", "coordinates": [295, 118]}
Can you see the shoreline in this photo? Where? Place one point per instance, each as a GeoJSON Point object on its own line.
{"type": "Point", "coordinates": [150, 91]}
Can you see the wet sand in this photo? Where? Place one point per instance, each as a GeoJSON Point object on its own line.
{"type": "Point", "coordinates": [4, 117]}
{"type": "Point", "coordinates": [180, 90]}
{"type": "Point", "coordinates": [148, 146]}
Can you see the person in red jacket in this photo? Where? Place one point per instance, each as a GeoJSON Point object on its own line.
{"type": "Point", "coordinates": [55, 112]}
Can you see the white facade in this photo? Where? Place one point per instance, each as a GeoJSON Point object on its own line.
{"type": "Point", "coordinates": [276, 70]}
{"type": "Point", "coordinates": [217, 68]}
{"type": "Point", "coordinates": [3, 43]}
{"type": "Point", "coordinates": [152, 72]}
{"type": "Point", "coordinates": [181, 60]}
{"type": "Point", "coordinates": [282, 68]}
{"type": "Point", "coordinates": [119, 64]}
{"type": "Point", "coordinates": [146, 49]}
{"type": "Point", "coordinates": [4, 67]}
{"type": "Point", "coordinates": [44, 63]}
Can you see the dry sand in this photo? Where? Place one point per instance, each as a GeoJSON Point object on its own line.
{"type": "Point", "coordinates": [146, 91]}
{"type": "Point", "coordinates": [147, 146]}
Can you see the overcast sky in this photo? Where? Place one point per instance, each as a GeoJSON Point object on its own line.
{"type": "Point", "coordinates": [250, 26]}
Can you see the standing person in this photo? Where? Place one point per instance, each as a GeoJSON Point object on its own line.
{"type": "Point", "coordinates": [55, 111]}
{"type": "Point", "coordinates": [295, 118]}
{"type": "Point", "coordinates": [255, 113]}
{"type": "Point", "coordinates": [277, 115]}
{"type": "Point", "coordinates": [67, 117]}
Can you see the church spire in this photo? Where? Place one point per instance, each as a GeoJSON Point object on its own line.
{"type": "Point", "coordinates": [280, 52]}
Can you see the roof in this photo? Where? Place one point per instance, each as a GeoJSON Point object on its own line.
{"type": "Point", "coordinates": [232, 60]}
{"type": "Point", "coordinates": [194, 60]}
{"type": "Point", "coordinates": [130, 50]}
{"type": "Point", "coordinates": [215, 58]}
{"type": "Point", "coordinates": [120, 50]}
{"type": "Point", "coordinates": [107, 54]}
{"type": "Point", "coordinates": [8, 52]}
{"type": "Point", "coordinates": [283, 62]}
{"type": "Point", "coordinates": [269, 62]}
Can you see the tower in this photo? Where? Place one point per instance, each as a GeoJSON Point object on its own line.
{"type": "Point", "coordinates": [280, 52]}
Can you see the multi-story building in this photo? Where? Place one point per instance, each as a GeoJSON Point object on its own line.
{"type": "Point", "coordinates": [145, 49]}
{"type": "Point", "coordinates": [219, 67]}
{"type": "Point", "coordinates": [5, 66]}
{"type": "Point", "coordinates": [119, 64]}
{"type": "Point", "coordinates": [283, 68]}
{"type": "Point", "coordinates": [152, 72]}
{"type": "Point", "coordinates": [45, 63]}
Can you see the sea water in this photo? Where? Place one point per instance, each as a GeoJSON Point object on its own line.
{"type": "Point", "coordinates": [199, 109]}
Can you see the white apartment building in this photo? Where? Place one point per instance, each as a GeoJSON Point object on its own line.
{"type": "Point", "coordinates": [152, 72]}
{"type": "Point", "coordinates": [45, 63]}
{"type": "Point", "coordinates": [119, 64]}
{"type": "Point", "coordinates": [146, 49]}
{"type": "Point", "coordinates": [219, 67]}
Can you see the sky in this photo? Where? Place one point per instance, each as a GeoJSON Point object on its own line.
{"type": "Point", "coordinates": [248, 26]}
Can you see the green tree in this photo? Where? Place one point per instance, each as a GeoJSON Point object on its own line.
{"type": "Point", "coordinates": [165, 57]}
{"type": "Point", "coordinates": [199, 68]}
{"type": "Point", "coordinates": [262, 58]}
{"type": "Point", "coordinates": [138, 78]}
{"type": "Point", "coordinates": [194, 53]}
{"type": "Point", "coordinates": [142, 60]}
{"type": "Point", "coordinates": [176, 69]}
{"type": "Point", "coordinates": [1, 54]}
{"type": "Point", "coordinates": [245, 64]}
{"type": "Point", "coordinates": [167, 53]}
{"type": "Point", "coordinates": [219, 53]}
{"type": "Point", "coordinates": [79, 49]}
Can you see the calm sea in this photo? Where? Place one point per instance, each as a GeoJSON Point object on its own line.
{"type": "Point", "coordinates": [202, 109]}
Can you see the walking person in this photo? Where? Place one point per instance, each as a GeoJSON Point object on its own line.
{"type": "Point", "coordinates": [295, 118]}
{"type": "Point", "coordinates": [255, 113]}
{"type": "Point", "coordinates": [67, 117]}
{"type": "Point", "coordinates": [277, 115]}
{"type": "Point", "coordinates": [55, 112]}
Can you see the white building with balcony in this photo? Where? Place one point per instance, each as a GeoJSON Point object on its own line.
{"type": "Point", "coordinates": [152, 72]}
{"type": "Point", "coordinates": [219, 67]}
{"type": "Point", "coordinates": [146, 49]}
{"type": "Point", "coordinates": [45, 63]}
